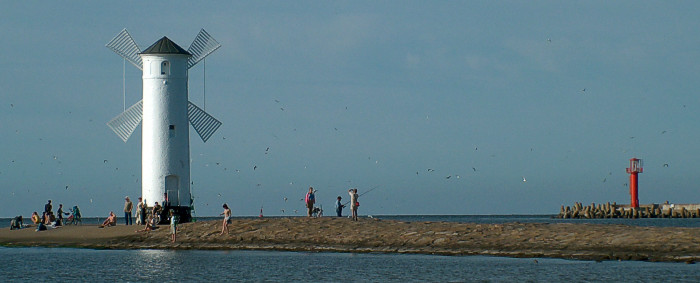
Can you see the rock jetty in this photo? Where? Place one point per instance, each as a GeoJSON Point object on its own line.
{"type": "Point", "coordinates": [614, 210]}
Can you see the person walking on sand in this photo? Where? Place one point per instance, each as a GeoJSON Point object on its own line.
{"type": "Point", "coordinates": [227, 219]}
{"type": "Point", "coordinates": [310, 200]}
{"type": "Point", "coordinates": [173, 225]}
{"type": "Point", "coordinates": [353, 203]}
{"type": "Point", "coordinates": [128, 205]}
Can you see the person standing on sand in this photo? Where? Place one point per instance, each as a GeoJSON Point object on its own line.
{"type": "Point", "coordinates": [173, 225]}
{"type": "Point", "coordinates": [140, 212]}
{"type": "Point", "coordinates": [60, 215]}
{"type": "Point", "coordinates": [310, 200]}
{"type": "Point", "coordinates": [353, 203]}
{"type": "Point", "coordinates": [128, 205]}
{"type": "Point", "coordinates": [48, 207]}
{"type": "Point", "coordinates": [339, 207]}
{"type": "Point", "coordinates": [227, 219]}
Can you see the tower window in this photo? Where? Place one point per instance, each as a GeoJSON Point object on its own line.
{"type": "Point", "coordinates": [165, 68]}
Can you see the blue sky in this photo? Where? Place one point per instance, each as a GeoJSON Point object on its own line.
{"type": "Point", "coordinates": [374, 93]}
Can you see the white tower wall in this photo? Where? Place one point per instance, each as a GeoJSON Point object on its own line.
{"type": "Point", "coordinates": [166, 149]}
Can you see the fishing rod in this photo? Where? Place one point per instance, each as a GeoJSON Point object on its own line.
{"type": "Point", "coordinates": [372, 189]}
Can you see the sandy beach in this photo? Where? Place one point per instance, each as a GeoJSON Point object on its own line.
{"type": "Point", "coordinates": [568, 241]}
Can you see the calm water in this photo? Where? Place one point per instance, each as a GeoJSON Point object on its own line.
{"type": "Point", "coordinates": [59, 265]}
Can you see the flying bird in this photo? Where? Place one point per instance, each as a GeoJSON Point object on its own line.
{"type": "Point", "coordinates": [255, 167]}
{"type": "Point", "coordinates": [524, 180]}
{"type": "Point", "coordinates": [665, 164]}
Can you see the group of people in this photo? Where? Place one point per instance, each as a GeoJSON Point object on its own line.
{"type": "Point", "coordinates": [312, 211]}
{"type": "Point", "coordinates": [150, 220]}
{"type": "Point", "coordinates": [48, 219]}
{"type": "Point", "coordinates": [142, 216]}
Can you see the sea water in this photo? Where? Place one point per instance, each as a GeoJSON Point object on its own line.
{"type": "Point", "coordinates": [82, 265]}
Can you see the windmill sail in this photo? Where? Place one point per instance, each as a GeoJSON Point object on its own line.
{"type": "Point", "coordinates": [201, 47]}
{"type": "Point", "coordinates": [124, 45]}
{"type": "Point", "coordinates": [203, 123]}
{"type": "Point", "coordinates": [125, 124]}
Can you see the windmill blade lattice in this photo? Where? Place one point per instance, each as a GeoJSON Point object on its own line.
{"type": "Point", "coordinates": [125, 124]}
{"type": "Point", "coordinates": [203, 123]}
{"type": "Point", "coordinates": [201, 47]}
{"type": "Point", "coordinates": [124, 45]}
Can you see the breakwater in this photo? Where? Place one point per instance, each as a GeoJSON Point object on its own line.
{"type": "Point", "coordinates": [613, 210]}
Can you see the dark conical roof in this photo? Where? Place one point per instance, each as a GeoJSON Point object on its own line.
{"type": "Point", "coordinates": [165, 46]}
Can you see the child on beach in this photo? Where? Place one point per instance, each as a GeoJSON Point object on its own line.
{"type": "Point", "coordinates": [173, 224]}
{"type": "Point", "coordinates": [227, 219]}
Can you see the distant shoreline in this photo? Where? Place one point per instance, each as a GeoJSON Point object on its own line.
{"type": "Point", "coordinates": [561, 240]}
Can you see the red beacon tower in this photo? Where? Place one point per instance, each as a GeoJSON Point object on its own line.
{"type": "Point", "coordinates": [634, 169]}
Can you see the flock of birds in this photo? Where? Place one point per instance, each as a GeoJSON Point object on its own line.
{"type": "Point", "coordinates": [267, 151]}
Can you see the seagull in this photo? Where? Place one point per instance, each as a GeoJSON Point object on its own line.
{"type": "Point", "coordinates": [282, 108]}
{"type": "Point", "coordinates": [430, 170]}
{"type": "Point", "coordinates": [524, 180]}
{"type": "Point", "coordinates": [105, 161]}
{"type": "Point", "coordinates": [255, 167]}
{"type": "Point", "coordinates": [448, 177]}
{"type": "Point", "coordinates": [282, 211]}
{"type": "Point", "coordinates": [663, 132]}
{"type": "Point", "coordinates": [277, 101]}
{"type": "Point", "coordinates": [474, 169]}
{"type": "Point", "coordinates": [605, 179]}
{"type": "Point", "coordinates": [665, 164]}
{"type": "Point", "coordinates": [285, 199]}
{"type": "Point", "coordinates": [457, 176]}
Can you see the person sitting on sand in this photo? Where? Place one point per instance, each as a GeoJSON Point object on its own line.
{"type": "Point", "coordinates": [46, 219]}
{"type": "Point", "coordinates": [110, 221]}
{"type": "Point", "coordinates": [35, 218]}
{"type": "Point", "coordinates": [16, 223]}
{"type": "Point", "coordinates": [227, 219]}
{"type": "Point", "coordinates": [157, 210]}
{"type": "Point", "coordinates": [150, 225]}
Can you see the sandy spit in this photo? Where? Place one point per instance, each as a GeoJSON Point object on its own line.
{"type": "Point", "coordinates": [568, 241]}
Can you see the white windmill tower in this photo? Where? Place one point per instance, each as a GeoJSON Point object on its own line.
{"type": "Point", "coordinates": [165, 110]}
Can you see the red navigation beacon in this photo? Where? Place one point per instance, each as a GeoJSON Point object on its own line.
{"type": "Point", "coordinates": [634, 169]}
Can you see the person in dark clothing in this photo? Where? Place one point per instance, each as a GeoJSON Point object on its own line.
{"type": "Point", "coordinates": [48, 207]}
